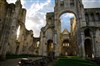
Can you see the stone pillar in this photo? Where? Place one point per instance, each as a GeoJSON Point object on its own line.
{"type": "Point", "coordinates": [93, 44]}
{"type": "Point", "coordinates": [44, 47]}
{"type": "Point", "coordinates": [56, 46]}
{"type": "Point", "coordinates": [82, 45]}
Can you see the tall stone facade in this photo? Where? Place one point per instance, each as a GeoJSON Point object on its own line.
{"type": "Point", "coordinates": [92, 32]}
{"type": "Point", "coordinates": [11, 16]}
{"type": "Point", "coordinates": [87, 24]}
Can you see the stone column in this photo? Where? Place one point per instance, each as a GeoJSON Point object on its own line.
{"type": "Point", "coordinates": [93, 44]}
{"type": "Point", "coordinates": [57, 46]}
{"type": "Point", "coordinates": [82, 45]}
{"type": "Point", "coordinates": [44, 51]}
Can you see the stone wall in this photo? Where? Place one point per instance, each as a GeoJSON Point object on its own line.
{"type": "Point", "coordinates": [11, 15]}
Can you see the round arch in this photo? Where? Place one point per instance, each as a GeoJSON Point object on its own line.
{"type": "Point", "coordinates": [88, 48]}
{"type": "Point", "coordinates": [50, 47]}
{"type": "Point", "coordinates": [67, 11]}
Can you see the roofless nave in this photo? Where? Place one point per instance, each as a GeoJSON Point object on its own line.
{"type": "Point", "coordinates": [85, 42]}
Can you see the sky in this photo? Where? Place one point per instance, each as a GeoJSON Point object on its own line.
{"type": "Point", "coordinates": [37, 9]}
{"type": "Point", "coordinates": [65, 21]}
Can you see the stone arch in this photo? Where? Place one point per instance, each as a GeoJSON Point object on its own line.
{"type": "Point", "coordinates": [55, 31]}
{"type": "Point", "coordinates": [88, 48]}
{"type": "Point", "coordinates": [50, 47]}
{"type": "Point", "coordinates": [77, 10]}
{"type": "Point", "coordinates": [67, 11]}
{"type": "Point", "coordinates": [88, 43]}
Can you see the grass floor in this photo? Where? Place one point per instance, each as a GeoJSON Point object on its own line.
{"type": "Point", "coordinates": [14, 56]}
{"type": "Point", "coordinates": [72, 61]}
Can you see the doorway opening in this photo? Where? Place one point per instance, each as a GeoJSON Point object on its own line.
{"type": "Point", "coordinates": [50, 47]}
{"type": "Point", "coordinates": [88, 44]}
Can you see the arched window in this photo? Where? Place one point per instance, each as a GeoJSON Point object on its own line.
{"type": "Point", "coordinates": [87, 18]}
{"type": "Point", "coordinates": [62, 3]}
{"type": "Point", "coordinates": [97, 16]}
{"type": "Point", "coordinates": [87, 33]}
{"type": "Point", "coordinates": [72, 2]}
{"type": "Point", "coordinates": [91, 17]}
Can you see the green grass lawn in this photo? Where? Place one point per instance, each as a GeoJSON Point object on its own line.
{"type": "Point", "coordinates": [14, 56]}
{"type": "Point", "coordinates": [72, 61]}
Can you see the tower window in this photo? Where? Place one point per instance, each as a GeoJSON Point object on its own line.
{"type": "Point", "coordinates": [62, 4]}
{"type": "Point", "coordinates": [72, 2]}
{"type": "Point", "coordinates": [91, 17]}
{"type": "Point", "coordinates": [97, 16]}
{"type": "Point", "coordinates": [87, 18]}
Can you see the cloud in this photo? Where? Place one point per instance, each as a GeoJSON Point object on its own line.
{"type": "Point", "coordinates": [91, 4]}
{"type": "Point", "coordinates": [35, 17]}
{"type": "Point", "coordinates": [65, 25]}
{"type": "Point", "coordinates": [65, 21]}
{"type": "Point", "coordinates": [37, 9]}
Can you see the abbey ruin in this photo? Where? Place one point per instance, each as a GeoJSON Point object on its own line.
{"type": "Point", "coordinates": [83, 39]}
{"type": "Point", "coordinates": [12, 17]}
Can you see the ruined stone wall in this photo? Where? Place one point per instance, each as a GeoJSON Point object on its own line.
{"type": "Point", "coordinates": [9, 8]}
{"type": "Point", "coordinates": [92, 16]}
{"type": "Point", "coordinates": [28, 46]}
{"type": "Point", "coordinates": [47, 33]}
{"type": "Point", "coordinates": [9, 19]}
{"type": "Point", "coordinates": [14, 26]}
{"type": "Point", "coordinates": [22, 35]}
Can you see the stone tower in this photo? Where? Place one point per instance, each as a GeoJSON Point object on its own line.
{"type": "Point", "coordinates": [69, 6]}
{"type": "Point", "coordinates": [64, 6]}
{"type": "Point", "coordinates": [86, 32]}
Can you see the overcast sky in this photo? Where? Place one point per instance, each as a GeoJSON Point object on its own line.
{"type": "Point", "coordinates": [37, 9]}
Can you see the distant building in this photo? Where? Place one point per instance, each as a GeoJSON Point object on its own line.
{"type": "Point", "coordinates": [65, 43]}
